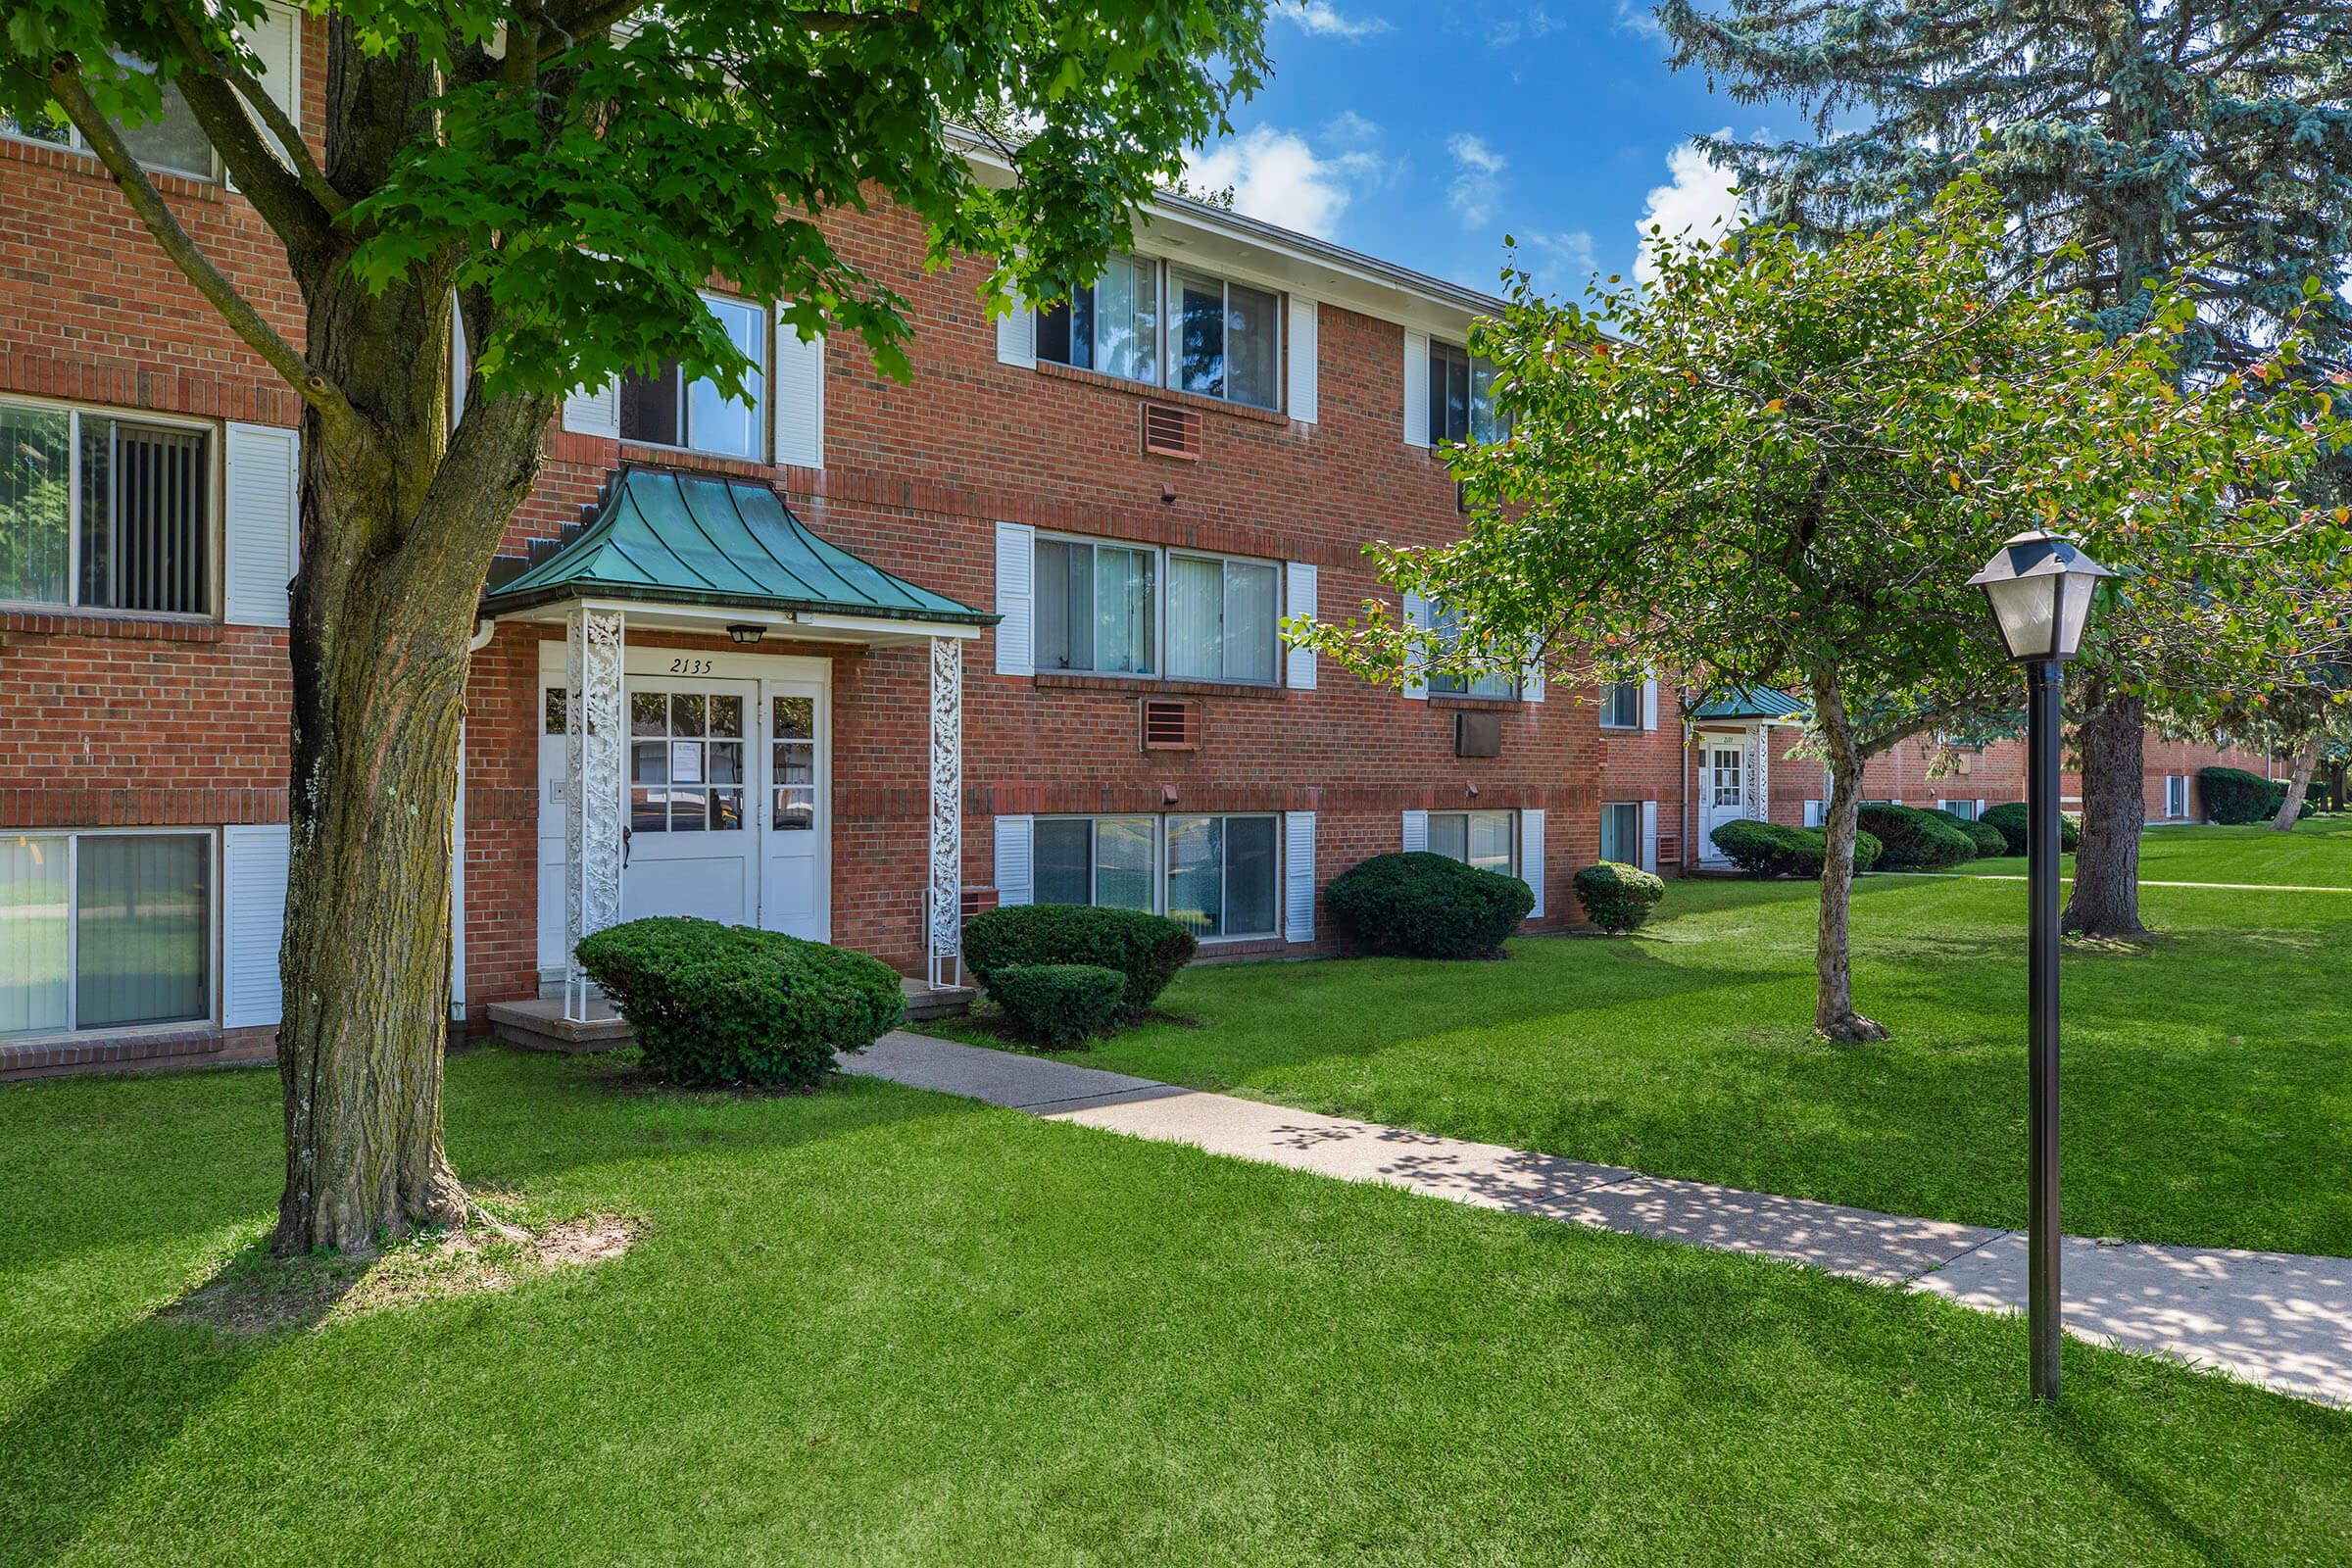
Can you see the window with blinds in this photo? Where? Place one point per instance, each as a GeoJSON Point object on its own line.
{"type": "Point", "coordinates": [104, 513]}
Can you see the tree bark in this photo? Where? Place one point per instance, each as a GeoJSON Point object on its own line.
{"type": "Point", "coordinates": [2112, 738]}
{"type": "Point", "coordinates": [2307, 762]}
{"type": "Point", "coordinates": [1834, 1014]}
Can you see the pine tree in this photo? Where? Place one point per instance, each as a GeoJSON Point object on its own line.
{"type": "Point", "coordinates": [2133, 139]}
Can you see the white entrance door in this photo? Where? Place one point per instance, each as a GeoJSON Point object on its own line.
{"type": "Point", "coordinates": [691, 846]}
{"type": "Point", "coordinates": [1722, 789]}
{"type": "Point", "coordinates": [793, 895]}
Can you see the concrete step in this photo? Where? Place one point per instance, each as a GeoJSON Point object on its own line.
{"type": "Point", "coordinates": [540, 1024]}
{"type": "Point", "coordinates": [943, 1001]}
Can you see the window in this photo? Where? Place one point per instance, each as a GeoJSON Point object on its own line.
{"type": "Point", "coordinates": [1621, 832]}
{"type": "Point", "coordinates": [1621, 704]}
{"type": "Point", "coordinates": [1965, 811]}
{"type": "Point", "coordinates": [105, 512]}
{"type": "Point", "coordinates": [104, 930]}
{"type": "Point", "coordinates": [2176, 794]}
{"type": "Point", "coordinates": [1462, 396]}
{"type": "Point", "coordinates": [1111, 325]}
{"type": "Point", "coordinates": [685, 762]}
{"type": "Point", "coordinates": [793, 740]}
{"type": "Point", "coordinates": [1475, 838]}
{"type": "Point", "coordinates": [1225, 338]}
{"type": "Point", "coordinates": [1096, 607]}
{"type": "Point", "coordinates": [1222, 621]}
{"type": "Point", "coordinates": [1109, 862]}
{"type": "Point", "coordinates": [174, 143]}
{"type": "Point", "coordinates": [1816, 813]}
{"type": "Point", "coordinates": [1446, 625]}
{"type": "Point", "coordinates": [1221, 875]}
{"type": "Point", "coordinates": [665, 408]}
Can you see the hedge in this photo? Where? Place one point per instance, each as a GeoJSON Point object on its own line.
{"type": "Point", "coordinates": [713, 1004]}
{"type": "Point", "coordinates": [1772, 849]}
{"type": "Point", "coordinates": [2009, 822]}
{"type": "Point", "coordinates": [1058, 1005]}
{"type": "Point", "coordinates": [1990, 841]}
{"type": "Point", "coordinates": [1617, 896]}
{"type": "Point", "coordinates": [1426, 905]}
{"type": "Point", "coordinates": [1146, 949]}
{"type": "Point", "coordinates": [1915, 840]}
{"type": "Point", "coordinates": [2234, 797]}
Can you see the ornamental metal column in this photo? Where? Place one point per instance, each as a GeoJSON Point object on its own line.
{"type": "Point", "coordinates": [943, 911]}
{"type": "Point", "coordinates": [595, 790]}
{"type": "Point", "coordinates": [1760, 773]}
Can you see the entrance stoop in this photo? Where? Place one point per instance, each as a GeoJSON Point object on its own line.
{"type": "Point", "coordinates": [924, 1002]}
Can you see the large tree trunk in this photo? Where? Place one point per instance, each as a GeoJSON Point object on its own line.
{"type": "Point", "coordinates": [2112, 737]}
{"type": "Point", "coordinates": [1833, 1013]}
{"type": "Point", "coordinates": [2307, 762]}
{"type": "Point", "coordinates": [399, 521]}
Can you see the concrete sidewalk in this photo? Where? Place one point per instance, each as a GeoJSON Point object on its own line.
{"type": "Point", "coordinates": [2273, 1318]}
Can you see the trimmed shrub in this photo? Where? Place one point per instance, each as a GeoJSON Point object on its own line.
{"type": "Point", "coordinates": [714, 1004]}
{"type": "Point", "coordinates": [1990, 841]}
{"type": "Point", "coordinates": [2009, 822]}
{"type": "Point", "coordinates": [1914, 840]}
{"type": "Point", "coordinates": [1058, 1005]}
{"type": "Point", "coordinates": [1425, 906]}
{"type": "Point", "coordinates": [1772, 849]}
{"type": "Point", "coordinates": [1617, 897]}
{"type": "Point", "coordinates": [2234, 797]}
{"type": "Point", "coordinates": [1145, 950]}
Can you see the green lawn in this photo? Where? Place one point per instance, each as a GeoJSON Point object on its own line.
{"type": "Point", "coordinates": [881, 1327]}
{"type": "Point", "coordinates": [2208, 1080]}
{"type": "Point", "coordinates": [2318, 853]}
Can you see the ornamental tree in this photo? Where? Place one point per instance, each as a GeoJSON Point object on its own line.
{"type": "Point", "coordinates": [2132, 138]}
{"type": "Point", "coordinates": [1780, 465]}
{"type": "Point", "coordinates": [563, 175]}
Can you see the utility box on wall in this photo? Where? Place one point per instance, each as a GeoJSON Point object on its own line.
{"type": "Point", "coordinates": [1478, 734]}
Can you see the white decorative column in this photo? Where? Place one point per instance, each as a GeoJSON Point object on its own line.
{"type": "Point", "coordinates": [595, 789]}
{"type": "Point", "coordinates": [943, 902]}
{"type": "Point", "coordinates": [1760, 775]}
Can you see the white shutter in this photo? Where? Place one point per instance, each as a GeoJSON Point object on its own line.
{"type": "Point", "coordinates": [1303, 353]}
{"type": "Point", "coordinates": [1299, 666]}
{"type": "Point", "coordinates": [1649, 837]}
{"type": "Point", "coordinates": [262, 528]}
{"type": "Point", "coordinates": [1531, 682]}
{"type": "Point", "coordinates": [1981, 803]}
{"type": "Point", "coordinates": [1649, 704]}
{"type": "Point", "coordinates": [1299, 876]}
{"type": "Point", "coordinates": [275, 39]}
{"type": "Point", "coordinates": [1016, 336]}
{"type": "Point", "coordinates": [1530, 858]}
{"type": "Point", "coordinates": [1416, 388]}
{"type": "Point", "coordinates": [1015, 882]}
{"type": "Point", "coordinates": [800, 399]}
{"type": "Point", "coordinates": [1416, 831]}
{"type": "Point", "coordinates": [594, 412]}
{"type": "Point", "coordinates": [1416, 671]}
{"type": "Point", "coordinates": [253, 922]}
{"type": "Point", "coordinates": [1016, 569]}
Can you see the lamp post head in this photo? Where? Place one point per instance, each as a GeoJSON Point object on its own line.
{"type": "Point", "coordinates": [2040, 586]}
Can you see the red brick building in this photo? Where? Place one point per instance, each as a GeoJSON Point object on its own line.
{"type": "Point", "coordinates": [855, 656]}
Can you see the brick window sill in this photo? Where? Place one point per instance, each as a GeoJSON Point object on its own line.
{"type": "Point", "coordinates": [76, 161]}
{"type": "Point", "coordinates": [93, 1050]}
{"type": "Point", "coordinates": [1154, 686]}
{"type": "Point", "coordinates": [1159, 394]}
{"type": "Point", "coordinates": [98, 623]}
{"type": "Point", "coordinates": [1477, 704]}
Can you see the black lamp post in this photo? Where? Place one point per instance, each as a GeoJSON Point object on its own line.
{"type": "Point", "coordinates": [2040, 587]}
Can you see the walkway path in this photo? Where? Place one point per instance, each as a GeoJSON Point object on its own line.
{"type": "Point", "coordinates": [2274, 1318]}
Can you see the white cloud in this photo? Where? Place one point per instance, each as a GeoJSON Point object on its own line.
{"type": "Point", "coordinates": [1327, 20]}
{"type": "Point", "coordinates": [1640, 16]}
{"type": "Point", "coordinates": [1560, 263]}
{"type": "Point", "coordinates": [1348, 129]}
{"type": "Point", "coordinates": [1520, 23]}
{"type": "Point", "coordinates": [1477, 186]}
{"type": "Point", "coordinates": [1698, 203]}
{"type": "Point", "coordinates": [1274, 174]}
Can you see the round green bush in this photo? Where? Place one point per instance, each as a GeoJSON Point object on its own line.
{"type": "Point", "coordinates": [2009, 822]}
{"type": "Point", "coordinates": [714, 1004]}
{"type": "Point", "coordinates": [1775, 848]}
{"type": "Point", "coordinates": [1914, 840]}
{"type": "Point", "coordinates": [1616, 896]}
{"type": "Point", "coordinates": [1426, 905]}
{"type": "Point", "coordinates": [2234, 797]}
{"type": "Point", "coordinates": [1058, 1005]}
{"type": "Point", "coordinates": [1146, 949]}
{"type": "Point", "coordinates": [1990, 842]}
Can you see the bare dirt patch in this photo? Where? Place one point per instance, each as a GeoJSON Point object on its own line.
{"type": "Point", "coordinates": [256, 1292]}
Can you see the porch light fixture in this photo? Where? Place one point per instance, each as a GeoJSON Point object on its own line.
{"type": "Point", "coordinates": [2040, 589]}
{"type": "Point", "coordinates": [745, 636]}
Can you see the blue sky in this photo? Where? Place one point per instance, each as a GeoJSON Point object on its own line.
{"type": "Point", "coordinates": [1423, 135]}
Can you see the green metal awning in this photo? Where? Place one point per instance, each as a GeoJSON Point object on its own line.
{"type": "Point", "coordinates": [694, 539]}
{"type": "Point", "coordinates": [1750, 702]}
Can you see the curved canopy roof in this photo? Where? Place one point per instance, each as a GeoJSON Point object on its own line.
{"type": "Point", "coordinates": [684, 538]}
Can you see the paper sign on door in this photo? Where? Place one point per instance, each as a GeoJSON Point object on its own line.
{"type": "Point", "coordinates": [685, 761]}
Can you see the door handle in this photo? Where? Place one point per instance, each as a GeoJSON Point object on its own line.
{"type": "Point", "coordinates": [626, 834]}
